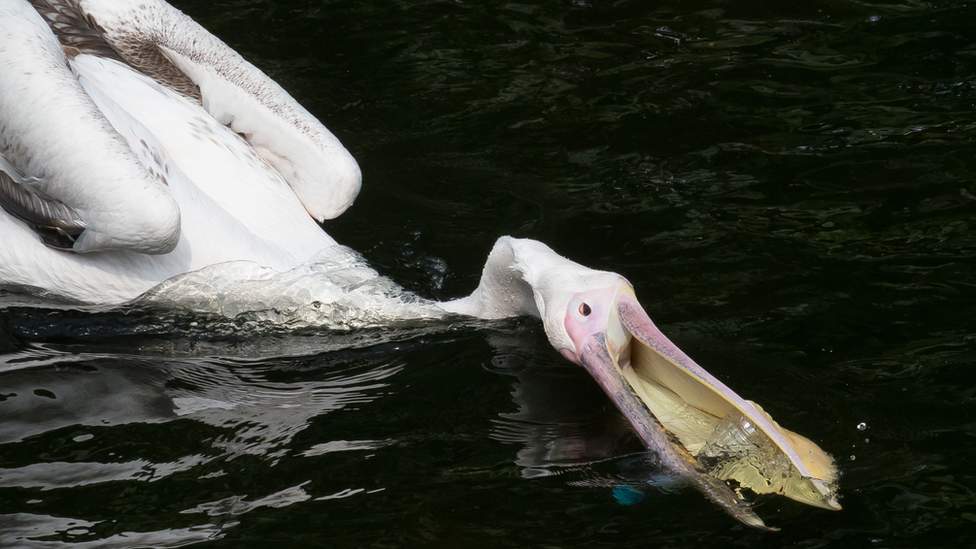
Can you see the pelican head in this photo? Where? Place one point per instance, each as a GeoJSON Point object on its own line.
{"type": "Point", "coordinates": [699, 427]}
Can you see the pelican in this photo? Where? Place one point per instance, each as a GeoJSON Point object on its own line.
{"type": "Point", "coordinates": [137, 149]}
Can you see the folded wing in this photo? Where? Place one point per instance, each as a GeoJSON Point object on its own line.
{"type": "Point", "coordinates": [67, 173]}
{"type": "Point", "coordinates": [162, 42]}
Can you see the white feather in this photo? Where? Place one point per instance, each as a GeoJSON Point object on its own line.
{"type": "Point", "coordinates": [50, 130]}
{"type": "Point", "coordinates": [138, 162]}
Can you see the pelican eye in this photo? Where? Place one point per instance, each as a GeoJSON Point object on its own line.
{"type": "Point", "coordinates": [584, 309]}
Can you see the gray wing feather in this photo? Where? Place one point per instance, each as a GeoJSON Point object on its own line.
{"type": "Point", "coordinates": [57, 224]}
{"type": "Point", "coordinates": [79, 33]}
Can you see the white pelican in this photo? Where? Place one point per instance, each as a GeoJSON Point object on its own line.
{"type": "Point", "coordinates": [136, 147]}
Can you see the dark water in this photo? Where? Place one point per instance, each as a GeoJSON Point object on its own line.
{"type": "Point", "coordinates": [789, 186]}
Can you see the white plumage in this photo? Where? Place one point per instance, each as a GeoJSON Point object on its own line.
{"type": "Point", "coordinates": [163, 187]}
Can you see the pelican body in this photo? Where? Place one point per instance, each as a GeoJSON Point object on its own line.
{"type": "Point", "coordinates": [137, 149]}
{"type": "Point", "coordinates": [155, 174]}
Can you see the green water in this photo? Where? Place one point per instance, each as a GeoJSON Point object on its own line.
{"type": "Point", "coordinates": [788, 187]}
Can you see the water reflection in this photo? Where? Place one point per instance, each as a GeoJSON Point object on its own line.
{"type": "Point", "coordinates": [102, 390]}
{"type": "Point", "coordinates": [554, 427]}
{"type": "Point", "coordinates": [38, 532]}
{"type": "Point", "coordinates": [229, 436]}
{"type": "Point", "coordinates": [74, 421]}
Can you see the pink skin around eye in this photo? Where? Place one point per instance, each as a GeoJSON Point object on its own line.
{"type": "Point", "coordinates": [580, 326]}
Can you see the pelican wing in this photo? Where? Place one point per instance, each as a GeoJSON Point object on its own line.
{"type": "Point", "coordinates": [58, 225]}
{"type": "Point", "coordinates": [155, 38]}
{"type": "Point", "coordinates": [79, 33]}
{"type": "Point", "coordinates": [68, 174]}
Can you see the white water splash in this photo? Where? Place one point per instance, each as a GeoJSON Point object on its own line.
{"type": "Point", "coordinates": [335, 290]}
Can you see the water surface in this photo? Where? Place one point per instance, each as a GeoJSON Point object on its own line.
{"type": "Point", "coordinates": [788, 186]}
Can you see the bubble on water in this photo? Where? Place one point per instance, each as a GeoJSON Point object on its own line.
{"type": "Point", "coordinates": [862, 426]}
{"type": "Point", "coordinates": [874, 18]}
{"type": "Point", "coordinates": [853, 457]}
